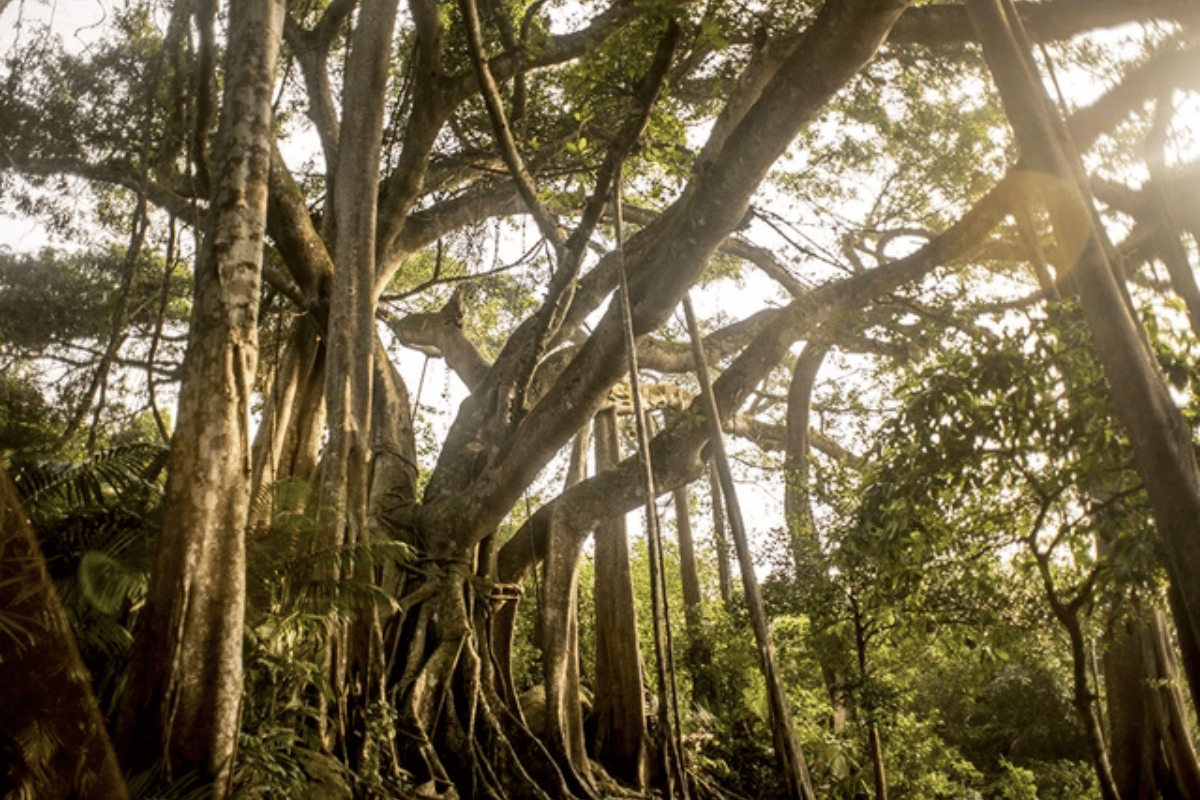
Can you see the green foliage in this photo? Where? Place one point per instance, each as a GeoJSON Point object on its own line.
{"type": "Point", "coordinates": [51, 299]}
{"type": "Point", "coordinates": [124, 476]}
{"type": "Point", "coordinates": [297, 589]}
{"type": "Point", "coordinates": [61, 104]}
{"type": "Point", "coordinates": [1014, 783]}
{"type": "Point", "coordinates": [27, 421]}
{"type": "Point", "coordinates": [291, 572]}
{"type": "Point", "coordinates": [96, 521]}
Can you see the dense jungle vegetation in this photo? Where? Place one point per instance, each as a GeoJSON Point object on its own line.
{"type": "Point", "coordinates": [567, 399]}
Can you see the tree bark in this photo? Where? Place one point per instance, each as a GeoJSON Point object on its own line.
{"type": "Point", "coordinates": [560, 650]}
{"type": "Point", "coordinates": [1161, 439]}
{"type": "Point", "coordinates": [797, 505]}
{"type": "Point", "coordinates": [287, 443]}
{"type": "Point", "coordinates": [690, 577]}
{"type": "Point", "coordinates": [351, 329]}
{"type": "Point", "coordinates": [350, 339]}
{"type": "Point", "coordinates": [47, 704]}
{"type": "Point", "coordinates": [621, 734]}
{"type": "Point", "coordinates": [724, 579]}
{"type": "Point", "coordinates": [184, 702]}
{"type": "Point", "coordinates": [1152, 749]}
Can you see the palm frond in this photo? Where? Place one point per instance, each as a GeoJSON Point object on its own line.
{"type": "Point", "coordinates": [111, 475]}
{"type": "Point", "coordinates": [154, 785]}
{"type": "Point", "coordinates": [350, 559]}
{"type": "Point", "coordinates": [109, 583]}
{"type": "Point", "coordinates": [20, 628]}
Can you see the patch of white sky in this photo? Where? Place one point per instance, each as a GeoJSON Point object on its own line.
{"type": "Point", "coordinates": [79, 24]}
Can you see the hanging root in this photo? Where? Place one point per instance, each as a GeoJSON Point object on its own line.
{"type": "Point", "coordinates": [455, 729]}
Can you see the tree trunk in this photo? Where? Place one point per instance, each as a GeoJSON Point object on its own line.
{"type": "Point", "coordinates": [619, 703]}
{"type": "Point", "coordinates": [705, 683]}
{"type": "Point", "coordinates": [454, 728]}
{"type": "Point", "coordinates": [797, 505]}
{"type": "Point", "coordinates": [1152, 749]}
{"type": "Point", "coordinates": [724, 579]}
{"type": "Point", "coordinates": [1169, 234]}
{"type": "Point", "coordinates": [787, 747]}
{"type": "Point", "coordinates": [392, 487]}
{"type": "Point", "coordinates": [1161, 439]}
{"type": "Point", "coordinates": [185, 687]}
{"type": "Point", "coordinates": [687, 559]}
{"type": "Point", "coordinates": [287, 443]}
{"type": "Point", "coordinates": [59, 746]}
{"type": "Point", "coordinates": [875, 745]}
{"type": "Point", "coordinates": [874, 741]}
{"type": "Point", "coordinates": [563, 733]}
{"type": "Point", "coordinates": [806, 547]}
{"type": "Point", "coordinates": [1085, 703]}
{"type": "Point", "coordinates": [351, 338]}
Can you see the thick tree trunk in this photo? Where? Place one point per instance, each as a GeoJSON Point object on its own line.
{"type": "Point", "coordinates": [1162, 440]}
{"type": "Point", "coordinates": [621, 734]}
{"type": "Point", "coordinates": [351, 341]}
{"type": "Point", "coordinates": [185, 688]}
{"type": "Point", "coordinates": [454, 729]}
{"type": "Point", "coordinates": [351, 329]}
{"type": "Point", "coordinates": [392, 486]}
{"type": "Point", "coordinates": [563, 733]}
{"type": "Point", "coordinates": [491, 455]}
{"type": "Point", "coordinates": [394, 468]}
{"type": "Point", "coordinates": [60, 748]}
{"type": "Point", "coordinates": [1152, 749]}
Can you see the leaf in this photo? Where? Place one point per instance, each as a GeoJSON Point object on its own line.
{"type": "Point", "coordinates": [109, 583]}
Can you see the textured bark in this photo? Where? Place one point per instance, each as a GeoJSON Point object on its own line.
{"type": "Point", "coordinates": [1161, 439]}
{"type": "Point", "coordinates": [619, 703]}
{"type": "Point", "coordinates": [393, 449]}
{"type": "Point", "coordinates": [287, 443]}
{"type": "Point", "coordinates": [184, 702]}
{"type": "Point", "coordinates": [563, 732]}
{"type": "Point", "coordinates": [56, 744]}
{"type": "Point", "coordinates": [1152, 749]}
{"type": "Point", "coordinates": [351, 331]}
{"type": "Point", "coordinates": [687, 556]}
{"type": "Point", "coordinates": [350, 342]}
